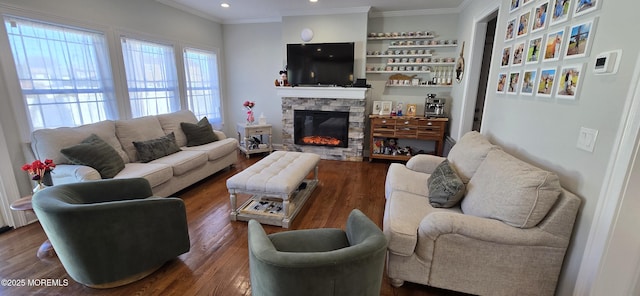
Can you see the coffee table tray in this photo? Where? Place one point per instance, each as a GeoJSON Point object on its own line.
{"type": "Point", "coordinates": [269, 209]}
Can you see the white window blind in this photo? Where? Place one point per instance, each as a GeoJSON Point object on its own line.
{"type": "Point", "coordinates": [151, 77]}
{"type": "Point", "coordinates": [203, 85]}
{"type": "Point", "coordinates": [64, 73]}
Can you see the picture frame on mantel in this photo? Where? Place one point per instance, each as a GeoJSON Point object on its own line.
{"type": "Point", "coordinates": [386, 107]}
{"type": "Point", "coordinates": [376, 107]}
{"type": "Point", "coordinates": [411, 109]}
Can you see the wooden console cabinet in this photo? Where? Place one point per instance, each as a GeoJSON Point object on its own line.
{"type": "Point", "coordinates": [384, 128]}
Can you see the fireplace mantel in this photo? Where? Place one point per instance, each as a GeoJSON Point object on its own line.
{"type": "Point", "coordinates": [357, 93]}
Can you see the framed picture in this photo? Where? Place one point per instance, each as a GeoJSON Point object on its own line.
{"type": "Point", "coordinates": [569, 81]}
{"type": "Point", "coordinates": [553, 46]}
{"type": "Point", "coordinates": [515, 4]}
{"type": "Point", "coordinates": [528, 82]}
{"type": "Point", "coordinates": [518, 54]}
{"type": "Point", "coordinates": [580, 37]}
{"type": "Point", "coordinates": [386, 107]}
{"type": "Point", "coordinates": [376, 108]}
{"type": "Point", "coordinates": [511, 30]}
{"type": "Point", "coordinates": [559, 11]}
{"type": "Point", "coordinates": [506, 56]}
{"type": "Point", "coordinates": [514, 82]}
{"type": "Point", "coordinates": [546, 82]}
{"type": "Point", "coordinates": [586, 6]}
{"type": "Point", "coordinates": [525, 2]}
{"type": "Point", "coordinates": [411, 109]}
{"type": "Point", "coordinates": [502, 83]}
{"type": "Point", "coordinates": [523, 24]}
{"type": "Point", "coordinates": [533, 50]}
{"type": "Point", "coordinates": [540, 17]}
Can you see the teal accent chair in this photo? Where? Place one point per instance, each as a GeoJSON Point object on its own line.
{"type": "Point", "coordinates": [109, 233]}
{"type": "Point", "coordinates": [324, 261]}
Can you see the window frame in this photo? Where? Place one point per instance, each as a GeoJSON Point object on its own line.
{"type": "Point", "coordinates": [120, 88]}
{"type": "Point", "coordinates": [207, 49]}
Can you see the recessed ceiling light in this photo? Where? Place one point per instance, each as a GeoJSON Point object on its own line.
{"type": "Point", "coordinates": [314, 1]}
{"type": "Point", "coordinates": [225, 5]}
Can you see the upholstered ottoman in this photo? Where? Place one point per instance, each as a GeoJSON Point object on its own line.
{"type": "Point", "coordinates": [277, 186]}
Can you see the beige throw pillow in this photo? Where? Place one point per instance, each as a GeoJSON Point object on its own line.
{"type": "Point", "coordinates": [510, 190]}
{"type": "Point", "coordinates": [468, 153]}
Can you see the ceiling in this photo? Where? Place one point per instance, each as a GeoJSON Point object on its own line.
{"type": "Point", "coordinates": [254, 11]}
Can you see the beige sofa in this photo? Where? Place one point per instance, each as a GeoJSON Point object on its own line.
{"type": "Point", "coordinates": [166, 175]}
{"type": "Point", "coordinates": [508, 235]}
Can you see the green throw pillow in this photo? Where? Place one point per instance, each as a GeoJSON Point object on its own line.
{"type": "Point", "coordinates": [156, 148]}
{"type": "Point", "coordinates": [446, 188]}
{"type": "Point", "coordinates": [96, 153]}
{"type": "Point", "coordinates": [198, 134]}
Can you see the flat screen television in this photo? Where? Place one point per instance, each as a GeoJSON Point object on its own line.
{"type": "Point", "coordinates": [323, 64]}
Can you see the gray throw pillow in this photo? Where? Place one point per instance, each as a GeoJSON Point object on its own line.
{"type": "Point", "coordinates": [96, 153]}
{"type": "Point", "coordinates": [198, 134]}
{"type": "Point", "coordinates": [446, 188]}
{"type": "Point", "coordinates": [156, 148]}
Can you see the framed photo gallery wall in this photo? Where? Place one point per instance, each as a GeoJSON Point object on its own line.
{"type": "Point", "coordinates": [546, 45]}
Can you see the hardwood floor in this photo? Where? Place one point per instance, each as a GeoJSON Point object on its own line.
{"type": "Point", "coordinates": [217, 263]}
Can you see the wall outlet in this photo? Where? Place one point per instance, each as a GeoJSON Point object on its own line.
{"type": "Point", "coordinates": [587, 139]}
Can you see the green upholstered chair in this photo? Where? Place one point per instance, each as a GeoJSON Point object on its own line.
{"type": "Point", "coordinates": [323, 261]}
{"type": "Point", "coordinates": [112, 232]}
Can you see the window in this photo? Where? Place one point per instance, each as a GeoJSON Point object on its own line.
{"type": "Point", "coordinates": [151, 77]}
{"type": "Point", "coordinates": [64, 73]}
{"type": "Point", "coordinates": [203, 88]}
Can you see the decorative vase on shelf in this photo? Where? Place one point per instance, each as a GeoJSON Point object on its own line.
{"type": "Point", "coordinates": [250, 118]}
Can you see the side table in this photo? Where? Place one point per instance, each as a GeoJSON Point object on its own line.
{"type": "Point", "coordinates": [46, 250]}
{"type": "Point", "coordinates": [254, 138]}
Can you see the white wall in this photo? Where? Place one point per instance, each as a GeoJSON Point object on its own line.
{"type": "Point", "coordinates": [252, 61]}
{"type": "Point", "coordinates": [145, 17]}
{"type": "Point", "coordinates": [545, 131]}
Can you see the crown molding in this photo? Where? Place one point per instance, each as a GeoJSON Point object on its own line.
{"type": "Point", "coordinates": [190, 10]}
{"type": "Point", "coordinates": [253, 21]}
{"type": "Point", "coordinates": [456, 10]}
{"type": "Point", "coordinates": [363, 9]}
{"type": "Point", "coordinates": [350, 10]}
{"type": "Point", "coordinates": [414, 12]}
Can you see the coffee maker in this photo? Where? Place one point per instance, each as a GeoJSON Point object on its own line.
{"type": "Point", "coordinates": [434, 107]}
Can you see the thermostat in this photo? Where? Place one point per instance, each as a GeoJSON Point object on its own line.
{"type": "Point", "coordinates": [607, 63]}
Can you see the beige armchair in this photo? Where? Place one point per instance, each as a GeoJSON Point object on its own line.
{"type": "Point", "coordinates": [491, 243]}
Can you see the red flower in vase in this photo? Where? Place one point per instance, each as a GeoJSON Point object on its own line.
{"type": "Point", "coordinates": [38, 168]}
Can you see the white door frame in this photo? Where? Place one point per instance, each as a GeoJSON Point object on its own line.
{"type": "Point", "coordinates": [476, 52]}
{"type": "Point", "coordinates": [611, 202]}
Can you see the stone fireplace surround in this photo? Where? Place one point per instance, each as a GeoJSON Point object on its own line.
{"type": "Point", "coordinates": [326, 99]}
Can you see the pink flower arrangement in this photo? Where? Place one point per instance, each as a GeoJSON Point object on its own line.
{"type": "Point", "coordinates": [38, 168]}
{"type": "Point", "coordinates": [249, 104]}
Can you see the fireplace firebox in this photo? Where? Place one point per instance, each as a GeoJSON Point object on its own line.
{"type": "Point", "coordinates": [321, 128]}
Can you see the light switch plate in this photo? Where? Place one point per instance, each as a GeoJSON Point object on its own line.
{"type": "Point", "coordinates": [587, 139]}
